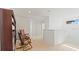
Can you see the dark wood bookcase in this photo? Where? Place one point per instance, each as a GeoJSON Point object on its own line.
{"type": "Point", "coordinates": [6, 36]}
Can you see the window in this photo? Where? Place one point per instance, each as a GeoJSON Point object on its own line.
{"type": "Point", "coordinates": [74, 21]}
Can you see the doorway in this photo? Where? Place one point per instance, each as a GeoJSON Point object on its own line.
{"type": "Point", "coordinates": [42, 28]}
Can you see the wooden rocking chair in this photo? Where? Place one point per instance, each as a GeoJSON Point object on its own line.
{"type": "Point", "coordinates": [25, 41]}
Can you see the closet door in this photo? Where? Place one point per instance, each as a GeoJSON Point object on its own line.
{"type": "Point", "coordinates": [6, 43]}
{"type": "Point", "coordinates": [1, 25]}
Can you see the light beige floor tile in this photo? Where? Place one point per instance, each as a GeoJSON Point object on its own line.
{"type": "Point", "coordinates": [40, 45]}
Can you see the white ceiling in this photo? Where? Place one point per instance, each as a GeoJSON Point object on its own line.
{"type": "Point", "coordinates": [34, 11]}
{"type": "Point", "coordinates": [37, 14]}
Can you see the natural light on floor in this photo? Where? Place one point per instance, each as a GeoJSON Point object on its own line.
{"type": "Point", "coordinates": [71, 47]}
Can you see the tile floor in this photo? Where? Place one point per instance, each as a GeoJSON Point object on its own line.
{"type": "Point", "coordinates": [40, 45]}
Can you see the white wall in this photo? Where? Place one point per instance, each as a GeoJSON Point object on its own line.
{"type": "Point", "coordinates": [46, 22]}
{"type": "Point", "coordinates": [22, 23]}
{"type": "Point", "coordinates": [53, 37]}
{"type": "Point", "coordinates": [37, 22]}
{"type": "Point", "coordinates": [59, 15]}
{"type": "Point", "coordinates": [58, 18]}
{"type": "Point", "coordinates": [31, 25]}
{"type": "Point", "coordinates": [36, 30]}
{"type": "Point", "coordinates": [48, 37]}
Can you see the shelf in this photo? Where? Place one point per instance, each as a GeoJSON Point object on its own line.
{"type": "Point", "coordinates": [14, 28]}
{"type": "Point", "coordinates": [13, 24]}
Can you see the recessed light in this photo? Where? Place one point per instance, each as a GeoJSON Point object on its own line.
{"type": "Point", "coordinates": [29, 11]}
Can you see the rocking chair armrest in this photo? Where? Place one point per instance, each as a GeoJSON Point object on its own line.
{"type": "Point", "coordinates": [26, 34]}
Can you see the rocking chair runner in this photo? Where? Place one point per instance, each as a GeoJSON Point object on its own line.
{"type": "Point", "coordinates": [25, 40]}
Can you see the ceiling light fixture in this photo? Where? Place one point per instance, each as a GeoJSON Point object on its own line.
{"type": "Point", "coordinates": [29, 12]}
